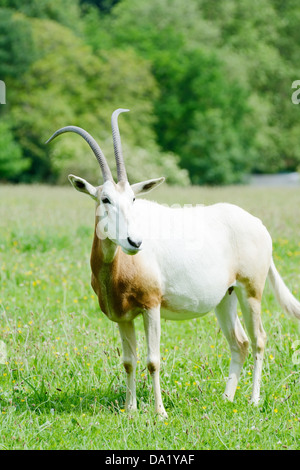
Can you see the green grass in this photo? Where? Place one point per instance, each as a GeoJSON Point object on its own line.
{"type": "Point", "coordinates": [62, 385]}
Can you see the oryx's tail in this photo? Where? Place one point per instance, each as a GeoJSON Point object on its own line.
{"type": "Point", "coordinates": [283, 295]}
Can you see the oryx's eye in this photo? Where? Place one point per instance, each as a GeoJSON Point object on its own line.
{"type": "Point", "coordinates": [106, 200]}
{"type": "Point", "coordinates": [133, 199]}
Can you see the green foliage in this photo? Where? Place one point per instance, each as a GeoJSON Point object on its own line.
{"type": "Point", "coordinates": [211, 112]}
{"type": "Point", "coordinates": [208, 84]}
{"type": "Point", "coordinates": [56, 93]}
{"type": "Point", "coordinates": [66, 12]}
{"type": "Point", "coordinates": [242, 44]}
{"type": "Point", "coordinates": [261, 38]}
{"type": "Point", "coordinates": [16, 47]}
{"type": "Point", "coordinates": [201, 112]}
{"type": "Point", "coordinates": [104, 5]}
{"type": "Point", "coordinates": [11, 161]}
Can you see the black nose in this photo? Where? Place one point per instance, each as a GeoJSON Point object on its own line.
{"type": "Point", "coordinates": [135, 244]}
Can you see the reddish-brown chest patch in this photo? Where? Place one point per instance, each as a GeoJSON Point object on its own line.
{"type": "Point", "coordinates": [125, 287]}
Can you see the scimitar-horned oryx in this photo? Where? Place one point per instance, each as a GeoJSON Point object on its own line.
{"type": "Point", "coordinates": [177, 264]}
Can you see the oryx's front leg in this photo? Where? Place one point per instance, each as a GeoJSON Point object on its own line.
{"type": "Point", "coordinates": [152, 330]}
{"type": "Point", "coordinates": [128, 338]}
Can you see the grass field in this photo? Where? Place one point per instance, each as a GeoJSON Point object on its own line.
{"type": "Point", "coordinates": [62, 384]}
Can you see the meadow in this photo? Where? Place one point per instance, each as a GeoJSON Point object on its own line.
{"type": "Point", "coordinates": [62, 383]}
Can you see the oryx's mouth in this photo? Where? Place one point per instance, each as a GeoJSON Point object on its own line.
{"type": "Point", "coordinates": [133, 246]}
{"type": "Point", "coordinates": [130, 251]}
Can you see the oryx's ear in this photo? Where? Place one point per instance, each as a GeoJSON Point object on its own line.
{"type": "Point", "coordinates": [146, 186]}
{"type": "Point", "coordinates": [83, 186]}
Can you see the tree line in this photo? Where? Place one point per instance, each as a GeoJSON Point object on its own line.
{"type": "Point", "coordinates": [208, 85]}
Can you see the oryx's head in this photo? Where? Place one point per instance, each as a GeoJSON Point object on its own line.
{"type": "Point", "coordinates": [115, 201]}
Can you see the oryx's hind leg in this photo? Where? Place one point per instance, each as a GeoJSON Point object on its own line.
{"type": "Point", "coordinates": [228, 319]}
{"type": "Point", "coordinates": [251, 309]}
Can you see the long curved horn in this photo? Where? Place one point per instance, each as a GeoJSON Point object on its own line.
{"type": "Point", "coordinates": [106, 173]}
{"type": "Point", "coordinates": [121, 170]}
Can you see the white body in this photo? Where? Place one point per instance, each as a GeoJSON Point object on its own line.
{"type": "Point", "coordinates": [194, 252]}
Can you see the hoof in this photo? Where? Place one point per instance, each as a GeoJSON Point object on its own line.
{"type": "Point", "coordinates": [162, 413]}
{"type": "Point", "coordinates": [227, 398]}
